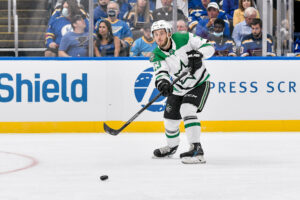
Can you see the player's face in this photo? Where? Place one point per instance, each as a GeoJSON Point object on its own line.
{"type": "Point", "coordinates": [212, 12]}
{"type": "Point", "coordinates": [246, 3]}
{"type": "Point", "coordinates": [161, 37]}
{"type": "Point", "coordinates": [256, 30]}
{"type": "Point", "coordinates": [103, 30]}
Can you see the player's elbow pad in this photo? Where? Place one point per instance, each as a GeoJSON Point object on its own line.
{"type": "Point", "coordinates": [207, 51]}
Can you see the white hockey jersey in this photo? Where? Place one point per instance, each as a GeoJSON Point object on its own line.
{"type": "Point", "coordinates": [175, 61]}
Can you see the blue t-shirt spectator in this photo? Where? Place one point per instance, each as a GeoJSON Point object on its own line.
{"type": "Point", "coordinates": [58, 28]}
{"type": "Point", "coordinates": [142, 47]}
{"type": "Point", "coordinates": [75, 44]}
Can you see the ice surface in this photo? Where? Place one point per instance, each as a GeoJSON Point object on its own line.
{"type": "Point", "coordinates": [240, 166]}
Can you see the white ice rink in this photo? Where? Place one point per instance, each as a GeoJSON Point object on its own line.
{"type": "Point", "coordinates": [240, 166]}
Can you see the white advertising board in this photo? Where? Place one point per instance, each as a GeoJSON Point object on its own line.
{"type": "Point", "coordinates": [114, 90]}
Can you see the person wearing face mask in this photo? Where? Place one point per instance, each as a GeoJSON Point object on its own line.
{"type": "Point", "coordinates": [252, 44]}
{"type": "Point", "coordinates": [119, 27]}
{"type": "Point", "coordinates": [206, 26]}
{"type": "Point", "coordinates": [61, 26]}
{"type": "Point", "coordinates": [62, 8]}
{"type": "Point", "coordinates": [224, 46]}
{"type": "Point", "coordinates": [197, 15]}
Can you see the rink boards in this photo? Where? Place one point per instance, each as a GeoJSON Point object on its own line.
{"type": "Point", "coordinates": [78, 95]}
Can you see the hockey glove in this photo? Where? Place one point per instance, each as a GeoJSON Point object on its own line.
{"type": "Point", "coordinates": [165, 87]}
{"type": "Point", "coordinates": [195, 60]}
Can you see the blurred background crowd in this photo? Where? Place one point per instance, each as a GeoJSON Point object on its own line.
{"type": "Point", "coordinates": [65, 28]}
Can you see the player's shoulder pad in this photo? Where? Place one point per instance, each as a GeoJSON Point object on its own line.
{"type": "Point", "coordinates": [180, 39]}
{"type": "Point", "coordinates": [157, 55]}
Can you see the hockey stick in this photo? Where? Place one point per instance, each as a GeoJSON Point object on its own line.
{"type": "Point", "coordinates": [111, 131]}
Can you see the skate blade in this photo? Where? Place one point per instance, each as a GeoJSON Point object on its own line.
{"type": "Point", "coordinates": [193, 160]}
{"type": "Point", "coordinates": [166, 157]}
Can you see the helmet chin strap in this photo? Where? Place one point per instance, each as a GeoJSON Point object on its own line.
{"type": "Point", "coordinates": [169, 38]}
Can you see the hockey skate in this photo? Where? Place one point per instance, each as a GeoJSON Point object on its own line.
{"type": "Point", "coordinates": [194, 155]}
{"type": "Point", "coordinates": [164, 152]}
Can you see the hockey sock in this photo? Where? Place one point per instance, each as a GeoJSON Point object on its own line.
{"type": "Point", "coordinates": [191, 122]}
{"type": "Point", "coordinates": [172, 132]}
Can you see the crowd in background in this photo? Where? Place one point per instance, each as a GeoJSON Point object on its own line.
{"type": "Point", "coordinates": [122, 27]}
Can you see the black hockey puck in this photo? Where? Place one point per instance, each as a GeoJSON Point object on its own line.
{"type": "Point", "coordinates": [103, 177]}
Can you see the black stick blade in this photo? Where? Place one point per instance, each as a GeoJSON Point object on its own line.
{"type": "Point", "coordinates": [109, 130]}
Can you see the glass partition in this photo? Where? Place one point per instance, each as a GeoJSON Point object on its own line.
{"type": "Point", "coordinates": [122, 27]}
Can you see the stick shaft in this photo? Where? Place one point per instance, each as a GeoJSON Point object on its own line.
{"type": "Point", "coordinates": [148, 104]}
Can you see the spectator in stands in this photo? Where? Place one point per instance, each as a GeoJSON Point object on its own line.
{"type": "Point", "coordinates": [125, 7]}
{"type": "Point", "coordinates": [196, 4]}
{"type": "Point", "coordinates": [242, 29]}
{"type": "Point", "coordinates": [145, 44]}
{"type": "Point", "coordinates": [119, 27]}
{"type": "Point", "coordinates": [61, 5]}
{"type": "Point", "coordinates": [60, 26]}
{"type": "Point", "coordinates": [196, 16]}
{"type": "Point", "coordinates": [224, 46]}
{"type": "Point", "coordinates": [100, 12]}
{"type": "Point", "coordinates": [239, 14]}
{"type": "Point", "coordinates": [138, 16]}
{"type": "Point", "coordinates": [75, 43]}
{"type": "Point", "coordinates": [106, 43]}
{"type": "Point", "coordinates": [181, 4]}
{"type": "Point", "coordinates": [166, 12]}
{"type": "Point", "coordinates": [182, 26]}
{"type": "Point", "coordinates": [151, 2]}
{"type": "Point", "coordinates": [229, 6]}
{"type": "Point", "coordinates": [252, 44]}
{"type": "Point", "coordinates": [206, 26]}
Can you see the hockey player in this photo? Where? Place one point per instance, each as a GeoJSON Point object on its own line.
{"type": "Point", "coordinates": [175, 54]}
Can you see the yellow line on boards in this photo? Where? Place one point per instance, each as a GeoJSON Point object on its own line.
{"type": "Point", "coordinates": [93, 127]}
